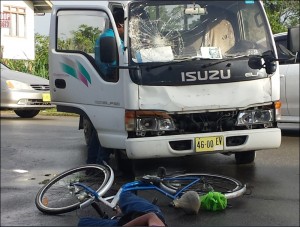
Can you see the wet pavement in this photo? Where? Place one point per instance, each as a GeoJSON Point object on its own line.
{"type": "Point", "coordinates": [45, 146]}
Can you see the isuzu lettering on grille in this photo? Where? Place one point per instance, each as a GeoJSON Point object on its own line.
{"type": "Point", "coordinates": [206, 75]}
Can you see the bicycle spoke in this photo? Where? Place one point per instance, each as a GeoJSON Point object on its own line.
{"type": "Point", "coordinates": [59, 195]}
{"type": "Point", "coordinates": [206, 183]}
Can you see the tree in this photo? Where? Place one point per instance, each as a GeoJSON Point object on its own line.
{"type": "Point", "coordinates": [41, 56]}
{"type": "Point", "coordinates": [282, 14]}
{"type": "Point", "coordinates": [84, 38]}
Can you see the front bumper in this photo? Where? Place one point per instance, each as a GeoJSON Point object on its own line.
{"type": "Point", "coordinates": [14, 100]}
{"type": "Point", "coordinates": [159, 147]}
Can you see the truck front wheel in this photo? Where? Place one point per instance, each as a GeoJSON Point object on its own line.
{"type": "Point", "coordinates": [87, 130]}
{"type": "Point", "coordinates": [246, 157]}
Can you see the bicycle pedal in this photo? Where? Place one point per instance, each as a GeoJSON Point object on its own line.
{"type": "Point", "coordinates": [161, 172]}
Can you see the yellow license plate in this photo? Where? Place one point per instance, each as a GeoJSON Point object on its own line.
{"type": "Point", "coordinates": [46, 97]}
{"type": "Point", "coordinates": [212, 143]}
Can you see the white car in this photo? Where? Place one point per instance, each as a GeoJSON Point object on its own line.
{"type": "Point", "coordinates": [289, 83]}
{"type": "Point", "coordinates": [24, 93]}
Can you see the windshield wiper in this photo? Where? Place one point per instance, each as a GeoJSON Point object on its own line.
{"type": "Point", "coordinates": [197, 58]}
{"type": "Point", "coordinates": [173, 62]}
{"type": "Point", "coordinates": [224, 60]}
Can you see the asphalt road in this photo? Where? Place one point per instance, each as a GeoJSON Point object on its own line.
{"type": "Point", "coordinates": [45, 146]}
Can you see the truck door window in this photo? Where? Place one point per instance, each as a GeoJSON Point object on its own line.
{"type": "Point", "coordinates": [78, 30]}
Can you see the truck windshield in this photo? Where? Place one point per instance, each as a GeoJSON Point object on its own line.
{"type": "Point", "coordinates": [167, 31]}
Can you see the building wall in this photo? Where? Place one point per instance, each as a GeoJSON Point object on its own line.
{"type": "Point", "coordinates": [12, 46]}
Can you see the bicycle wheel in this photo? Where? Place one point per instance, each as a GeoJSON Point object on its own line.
{"type": "Point", "coordinates": [228, 186]}
{"type": "Point", "coordinates": [57, 196]}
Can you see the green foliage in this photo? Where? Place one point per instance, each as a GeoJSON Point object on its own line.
{"type": "Point", "coordinates": [282, 14]}
{"type": "Point", "coordinates": [84, 38]}
{"type": "Point", "coordinates": [65, 44]}
{"type": "Point", "coordinates": [41, 56]}
{"type": "Point", "coordinates": [19, 65]}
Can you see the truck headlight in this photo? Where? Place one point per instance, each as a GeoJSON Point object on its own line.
{"type": "Point", "coordinates": [250, 117]}
{"type": "Point", "coordinates": [143, 121]}
{"type": "Point", "coordinates": [154, 124]}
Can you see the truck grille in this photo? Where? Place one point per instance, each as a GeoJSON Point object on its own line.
{"type": "Point", "coordinates": [40, 87]}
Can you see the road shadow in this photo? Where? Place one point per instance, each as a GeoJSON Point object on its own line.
{"type": "Point", "coordinates": [13, 118]}
{"type": "Point", "coordinates": [290, 129]}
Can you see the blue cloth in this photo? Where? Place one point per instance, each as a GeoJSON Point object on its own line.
{"type": "Point", "coordinates": [104, 68]}
{"type": "Point", "coordinates": [97, 222]}
{"type": "Point", "coordinates": [129, 202]}
{"type": "Point", "coordinates": [96, 154]}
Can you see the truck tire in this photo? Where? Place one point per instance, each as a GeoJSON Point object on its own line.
{"type": "Point", "coordinates": [87, 130]}
{"type": "Point", "coordinates": [246, 157]}
{"type": "Point", "coordinates": [27, 113]}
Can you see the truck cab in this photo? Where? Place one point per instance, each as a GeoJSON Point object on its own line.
{"type": "Point", "coordinates": [189, 78]}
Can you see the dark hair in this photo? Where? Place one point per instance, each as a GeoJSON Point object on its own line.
{"type": "Point", "coordinates": [118, 15]}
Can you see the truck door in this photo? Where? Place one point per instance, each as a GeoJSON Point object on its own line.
{"type": "Point", "coordinates": [78, 83]}
{"type": "Point", "coordinates": [289, 84]}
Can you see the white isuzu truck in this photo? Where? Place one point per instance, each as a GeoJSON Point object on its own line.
{"type": "Point", "coordinates": [190, 78]}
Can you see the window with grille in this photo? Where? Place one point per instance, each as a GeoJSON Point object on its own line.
{"type": "Point", "coordinates": [17, 21]}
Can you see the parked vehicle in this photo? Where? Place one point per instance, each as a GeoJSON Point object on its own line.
{"type": "Point", "coordinates": [189, 78]}
{"type": "Point", "coordinates": [24, 93]}
{"type": "Point", "coordinates": [289, 69]}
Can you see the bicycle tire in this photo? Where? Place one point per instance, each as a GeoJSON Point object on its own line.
{"type": "Point", "coordinates": [55, 197]}
{"type": "Point", "coordinates": [228, 186]}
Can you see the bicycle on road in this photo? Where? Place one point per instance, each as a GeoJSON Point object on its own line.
{"type": "Point", "coordinates": [87, 185]}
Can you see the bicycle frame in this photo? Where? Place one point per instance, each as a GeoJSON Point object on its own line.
{"type": "Point", "coordinates": [135, 186]}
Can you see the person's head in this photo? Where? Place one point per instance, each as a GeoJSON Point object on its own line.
{"type": "Point", "coordinates": [119, 20]}
{"type": "Point", "coordinates": [189, 202]}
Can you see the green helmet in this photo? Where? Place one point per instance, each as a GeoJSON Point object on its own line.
{"type": "Point", "coordinates": [213, 201]}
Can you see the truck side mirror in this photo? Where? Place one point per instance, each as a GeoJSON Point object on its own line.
{"type": "Point", "coordinates": [108, 50]}
{"type": "Point", "coordinates": [255, 62]}
{"type": "Point", "coordinates": [293, 39]}
{"type": "Point", "coordinates": [270, 61]}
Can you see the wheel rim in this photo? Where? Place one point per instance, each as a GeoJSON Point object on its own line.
{"type": "Point", "coordinates": [59, 195]}
{"type": "Point", "coordinates": [208, 182]}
